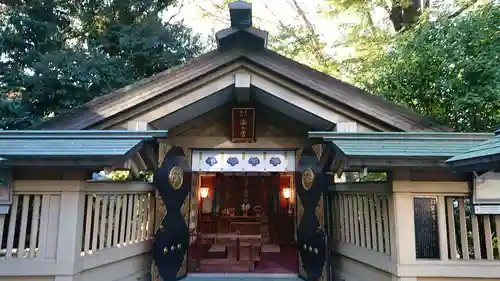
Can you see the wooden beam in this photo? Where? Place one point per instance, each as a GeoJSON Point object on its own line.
{"type": "Point", "coordinates": [393, 163]}
{"type": "Point", "coordinates": [150, 156]}
{"type": "Point", "coordinates": [141, 164]}
{"type": "Point", "coordinates": [168, 107]}
{"type": "Point", "coordinates": [51, 173]}
{"type": "Point", "coordinates": [136, 171]}
{"type": "Point", "coordinates": [327, 157]}
{"type": "Point", "coordinates": [242, 86]}
{"type": "Point", "coordinates": [225, 143]}
{"type": "Point", "coordinates": [167, 97]}
{"type": "Point", "coordinates": [235, 73]}
{"type": "Point", "coordinates": [295, 98]}
{"type": "Point", "coordinates": [371, 124]}
{"type": "Point", "coordinates": [444, 174]}
{"type": "Point", "coordinates": [210, 117]}
{"type": "Point", "coordinates": [138, 125]}
{"type": "Point", "coordinates": [69, 162]}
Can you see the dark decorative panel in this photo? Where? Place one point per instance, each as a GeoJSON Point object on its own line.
{"type": "Point", "coordinates": [171, 241]}
{"type": "Point", "coordinates": [426, 228]}
{"type": "Point", "coordinates": [311, 181]}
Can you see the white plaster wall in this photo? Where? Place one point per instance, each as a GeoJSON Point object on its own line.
{"type": "Point", "coordinates": [135, 268]}
{"type": "Point", "coordinates": [27, 278]}
{"type": "Point", "coordinates": [347, 269]}
{"type": "Point", "coordinates": [130, 269]}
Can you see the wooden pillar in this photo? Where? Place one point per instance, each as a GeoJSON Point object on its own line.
{"type": "Point", "coordinates": [312, 182]}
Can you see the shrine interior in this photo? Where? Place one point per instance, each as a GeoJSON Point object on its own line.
{"type": "Point", "coordinates": [243, 222]}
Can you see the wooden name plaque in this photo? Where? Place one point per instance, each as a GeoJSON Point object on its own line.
{"type": "Point", "coordinates": [243, 125]}
{"type": "Point", "coordinates": [487, 189]}
{"type": "Point", "coordinates": [426, 228]}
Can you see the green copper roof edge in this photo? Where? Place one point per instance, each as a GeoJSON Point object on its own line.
{"type": "Point", "coordinates": [400, 157]}
{"type": "Point", "coordinates": [462, 157]}
{"type": "Point", "coordinates": [474, 153]}
{"type": "Point", "coordinates": [406, 139]}
{"type": "Point", "coordinates": [81, 134]}
{"type": "Point", "coordinates": [314, 134]}
{"type": "Point", "coordinates": [108, 147]}
{"type": "Point", "coordinates": [485, 145]}
{"type": "Point", "coordinates": [400, 133]}
{"type": "Point", "coordinates": [360, 139]}
{"type": "Point", "coordinates": [459, 158]}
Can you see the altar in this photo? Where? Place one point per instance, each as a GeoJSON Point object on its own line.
{"type": "Point", "coordinates": [238, 218]}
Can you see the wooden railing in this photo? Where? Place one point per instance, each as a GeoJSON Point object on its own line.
{"type": "Point", "coordinates": [61, 228]}
{"type": "Point", "coordinates": [25, 226]}
{"type": "Point", "coordinates": [116, 220]}
{"type": "Point", "coordinates": [362, 227]}
{"type": "Point", "coordinates": [362, 220]}
{"type": "Point", "coordinates": [380, 226]}
{"type": "Point", "coordinates": [111, 220]}
{"type": "Point", "coordinates": [470, 236]}
{"type": "Point", "coordinates": [361, 217]}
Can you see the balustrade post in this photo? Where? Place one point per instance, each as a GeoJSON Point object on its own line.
{"type": "Point", "coordinates": [69, 234]}
{"type": "Point", "coordinates": [404, 229]}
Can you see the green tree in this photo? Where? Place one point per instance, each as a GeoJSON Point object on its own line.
{"type": "Point", "coordinates": [373, 25]}
{"type": "Point", "coordinates": [57, 55]}
{"type": "Point", "coordinates": [439, 60]}
{"type": "Point", "coordinates": [302, 42]}
{"type": "Point", "coordinates": [447, 69]}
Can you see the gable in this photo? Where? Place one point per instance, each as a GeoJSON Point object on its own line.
{"type": "Point", "coordinates": [215, 123]}
{"type": "Point", "coordinates": [261, 87]}
{"type": "Point", "coordinates": [280, 76]}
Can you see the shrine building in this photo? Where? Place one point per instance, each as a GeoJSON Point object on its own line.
{"type": "Point", "coordinates": [243, 164]}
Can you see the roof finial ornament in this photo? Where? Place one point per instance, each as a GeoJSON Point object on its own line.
{"type": "Point", "coordinates": [241, 33]}
{"type": "Point", "coordinates": [241, 14]}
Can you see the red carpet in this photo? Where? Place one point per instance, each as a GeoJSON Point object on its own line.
{"type": "Point", "coordinates": [286, 261]}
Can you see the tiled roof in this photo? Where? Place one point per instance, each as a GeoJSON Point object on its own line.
{"type": "Point", "coordinates": [50, 144]}
{"type": "Point", "coordinates": [488, 148]}
{"type": "Point", "coordinates": [404, 144]}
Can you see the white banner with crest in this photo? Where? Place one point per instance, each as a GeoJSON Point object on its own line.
{"type": "Point", "coordinates": [243, 161]}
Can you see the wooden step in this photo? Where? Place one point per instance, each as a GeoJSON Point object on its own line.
{"type": "Point", "coordinates": [217, 248]}
{"type": "Point", "coordinates": [222, 262]}
{"type": "Point", "coordinates": [242, 276]}
{"type": "Point", "coordinates": [225, 265]}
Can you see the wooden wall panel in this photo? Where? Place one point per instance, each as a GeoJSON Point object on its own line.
{"type": "Point", "coordinates": [217, 123]}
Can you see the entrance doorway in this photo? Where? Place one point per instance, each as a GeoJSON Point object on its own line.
{"type": "Point", "coordinates": [243, 223]}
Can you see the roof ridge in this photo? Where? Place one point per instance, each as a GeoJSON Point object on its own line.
{"type": "Point", "coordinates": [365, 94]}
{"type": "Point", "coordinates": [115, 94]}
{"type": "Point", "coordinates": [88, 114]}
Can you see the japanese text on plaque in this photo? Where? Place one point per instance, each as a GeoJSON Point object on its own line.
{"type": "Point", "coordinates": [243, 123]}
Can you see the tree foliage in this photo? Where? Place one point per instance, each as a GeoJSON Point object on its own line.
{"type": "Point", "coordinates": [304, 45]}
{"type": "Point", "coordinates": [59, 54]}
{"type": "Point", "coordinates": [447, 69]}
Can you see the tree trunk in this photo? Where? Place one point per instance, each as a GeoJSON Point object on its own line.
{"type": "Point", "coordinates": [403, 16]}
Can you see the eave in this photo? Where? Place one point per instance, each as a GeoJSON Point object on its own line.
{"type": "Point", "coordinates": [91, 149]}
{"type": "Point", "coordinates": [381, 150]}
{"type": "Point", "coordinates": [171, 84]}
{"type": "Point", "coordinates": [484, 156]}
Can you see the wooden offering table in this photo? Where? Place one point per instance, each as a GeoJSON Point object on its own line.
{"type": "Point", "coordinates": [245, 227]}
{"type": "Point", "coordinates": [251, 243]}
{"type": "Point", "coordinates": [239, 224]}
